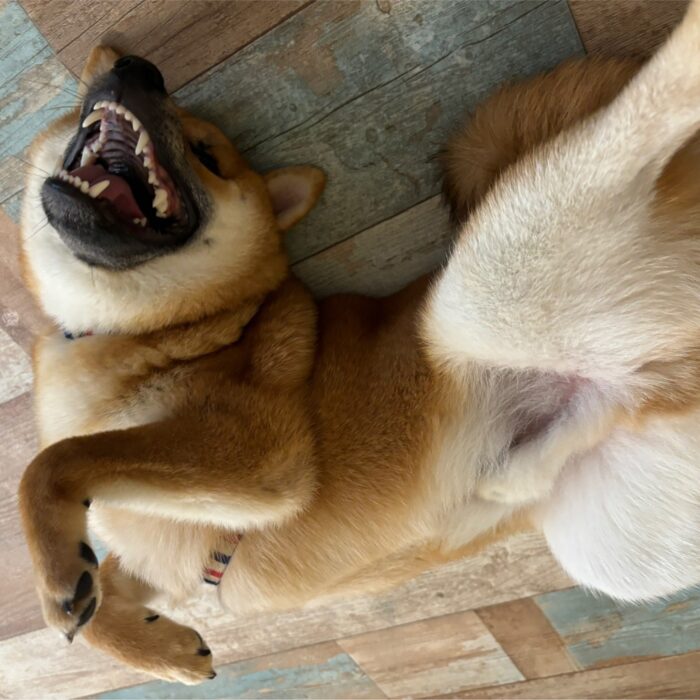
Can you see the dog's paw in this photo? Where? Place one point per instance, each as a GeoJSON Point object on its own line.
{"type": "Point", "coordinates": [68, 587]}
{"type": "Point", "coordinates": [170, 651]}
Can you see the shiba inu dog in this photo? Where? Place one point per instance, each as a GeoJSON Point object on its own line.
{"type": "Point", "coordinates": [194, 402]}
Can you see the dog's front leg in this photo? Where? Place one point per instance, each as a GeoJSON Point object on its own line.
{"type": "Point", "coordinates": [126, 628]}
{"type": "Point", "coordinates": [209, 470]}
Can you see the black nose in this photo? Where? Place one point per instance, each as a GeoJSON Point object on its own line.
{"type": "Point", "coordinates": [136, 71]}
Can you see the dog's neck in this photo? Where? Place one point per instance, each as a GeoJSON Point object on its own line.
{"type": "Point", "coordinates": [187, 341]}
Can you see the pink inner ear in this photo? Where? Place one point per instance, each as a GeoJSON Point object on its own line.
{"type": "Point", "coordinates": [287, 192]}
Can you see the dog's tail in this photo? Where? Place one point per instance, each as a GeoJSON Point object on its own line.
{"type": "Point", "coordinates": [577, 255]}
{"type": "Point", "coordinates": [517, 118]}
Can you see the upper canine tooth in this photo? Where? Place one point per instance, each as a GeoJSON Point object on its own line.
{"type": "Point", "coordinates": [161, 199]}
{"type": "Point", "coordinates": [93, 117]}
{"type": "Point", "coordinates": [99, 188]}
{"type": "Point", "coordinates": [144, 140]}
{"type": "Point", "coordinates": [100, 104]}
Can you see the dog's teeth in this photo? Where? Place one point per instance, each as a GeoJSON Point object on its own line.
{"type": "Point", "coordinates": [99, 105]}
{"type": "Point", "coordinates": [152, 178]}
{"type": "Point", "coordinates": [144, 140]}
{"type": "Point", "coordinates": [93, 117]}
{"type": "Point", "coordinates": [87, 157]}
{"type": "Point", "coordinates": [98, 189]}
{"type": "Point", "coordinates": [147, 162]}
{"type": "Point", "coordinates": [84, 187]}
{"type": "Point", "coordinates": [160, 201]}
{"type": "Point", "coordinates": [120, 110]}
{"type": "Point", "coordinates": [161, 215]}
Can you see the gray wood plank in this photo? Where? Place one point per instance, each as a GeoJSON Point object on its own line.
{"type": "Point", "coordinates": [384, 258]}
{"type": "Point", "coordinates": [370, 95]}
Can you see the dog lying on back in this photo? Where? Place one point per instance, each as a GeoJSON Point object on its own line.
{"type": "Point", "coordinates": [193, 400]}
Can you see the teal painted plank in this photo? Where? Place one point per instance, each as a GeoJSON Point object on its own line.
{"type": "Point", "coordinates": [371, 96]}
{"type": "Point", "coordinates": [599, 631]}
{"type": "Point", "coordinates": [35, 89]}
{"type": "Point", "coordinates": [13, 206]}
{"type": "Point", "coordinates": [315, 672]}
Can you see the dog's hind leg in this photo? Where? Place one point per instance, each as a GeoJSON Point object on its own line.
{"type": "Point", "coordinates": [210, 469]}
{"type": "Point", "coordinates": [127, 629]}
{"type": "Point", "coordinates": [564, 270]}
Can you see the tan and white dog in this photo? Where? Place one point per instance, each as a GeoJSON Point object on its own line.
{"type": "Point", "coordinates": [551, 368]}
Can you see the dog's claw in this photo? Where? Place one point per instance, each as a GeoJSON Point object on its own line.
{"type": "Point", "coordinates": [88, 612]}
{"type": "Point", "coordinates": [87, 553]}
{"type": "Point", "coordinates": [83, 587]}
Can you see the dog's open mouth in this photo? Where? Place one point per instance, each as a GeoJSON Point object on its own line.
{"type": "Point", "coordinates": [116, 162]}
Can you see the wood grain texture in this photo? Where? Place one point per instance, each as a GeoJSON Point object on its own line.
{"type": "Point", "coordinates": [625, 27]}
{"type": "Point", "coordinates": [384, 258]}
{"type": "Point", "coordinates": [516, 568]}
{"type": "Point", "coordinates": [529, 639]}
{"type": "Point", "coordinates": [373, 118]}
{"type": "Point", "coordinates": [35, 88]}
{"type": "Point", "coordinates": [451, 653]}
{"type": "Point", "coordinates": [319, 671]}
{"type": "Point", "coordinates": [184, 38]}
{"type": "Point", "coordinates": [20, 607]}
{"type": "Point", "coordinates": [601, 632]}
{"type": "Point", "coordinates": [674, 677]}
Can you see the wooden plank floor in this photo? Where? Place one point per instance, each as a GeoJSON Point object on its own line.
{"type": "Point", "coordinates": [368, 90]}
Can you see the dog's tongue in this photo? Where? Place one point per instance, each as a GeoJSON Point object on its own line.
{"type": "Point", "coordinates": [118, 193]}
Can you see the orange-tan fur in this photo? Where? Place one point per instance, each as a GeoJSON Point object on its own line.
{"type": "Point", "coordinates": [338, 471]}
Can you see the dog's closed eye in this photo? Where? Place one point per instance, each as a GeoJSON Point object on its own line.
{"type": "Point", "coordinates": [206, 158]}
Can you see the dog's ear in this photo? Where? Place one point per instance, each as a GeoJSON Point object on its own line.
{"type": "Point", "coordinates": [100, 60]}
{"type": "Point", "coordinates": [294, 191]}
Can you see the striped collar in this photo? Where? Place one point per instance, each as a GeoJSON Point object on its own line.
{"type": "Point", "coordinates": [220, 557]}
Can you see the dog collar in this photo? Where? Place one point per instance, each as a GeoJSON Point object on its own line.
{"type": "Point", "coordinates": [219, 558]}
{"type": "Point", "coordinates": [72, 336]}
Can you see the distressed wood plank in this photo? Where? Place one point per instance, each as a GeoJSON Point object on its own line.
{"type": "Point", "coordinates": [34, 89]}
{"type": "Point", "coordinates": [319, 671]}
{"type": "Point", "coordinates": [625, 27]}
{"type": "Point", "coordinates": [673, 677]}
{"type": "Point", "coordinates": [450, 653]}
{"type": "Point", "coordinates": [601, 632]}
{"type": "Point", "coordinates": [528, 638]}
{"type": "Point", "coordinates": [516, 568]}
{"type": "Point", "coordinates": [20, 607]}
{"type": "Point", "coordinates": [374, 118]}
{"type": "Point", "coordinates": [184, 38]}
{"type": "Point", "coordinates": [384, 258]}
{"type": "Point", "coordinates": [61, 25]}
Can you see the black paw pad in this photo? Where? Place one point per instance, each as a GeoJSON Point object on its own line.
{"type": "Point", "coordinates": [88, 612]}
{"type": "Point", "coordinates": [83, 587]}
{"type": "Point", "coordinates": [151, 618]}
{"type": "Point", "coordinates": [203, 652]}
{"type": "Point", "coordinates": [87, 554]}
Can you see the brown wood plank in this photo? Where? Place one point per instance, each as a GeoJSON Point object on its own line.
{"type": "Point", "coordinates": [20, 606]}
{"type": "Point", "coordinates": [183, 37]}
{"type": "Point", "coordinates": [527, 636]}
{"type": "Point", "coordinates": [625, 27]}
{"type": "Point", "coordinates": [63, 21]}
{"type": "Point", "coordinates": [670, 677]}
{"type": "Point", "coordinates": [453, 652]}
{"type": "Point", "coordinates": [515, 568]}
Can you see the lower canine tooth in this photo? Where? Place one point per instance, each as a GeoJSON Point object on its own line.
{"type": "Point", "coordinates": [99, 188]}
